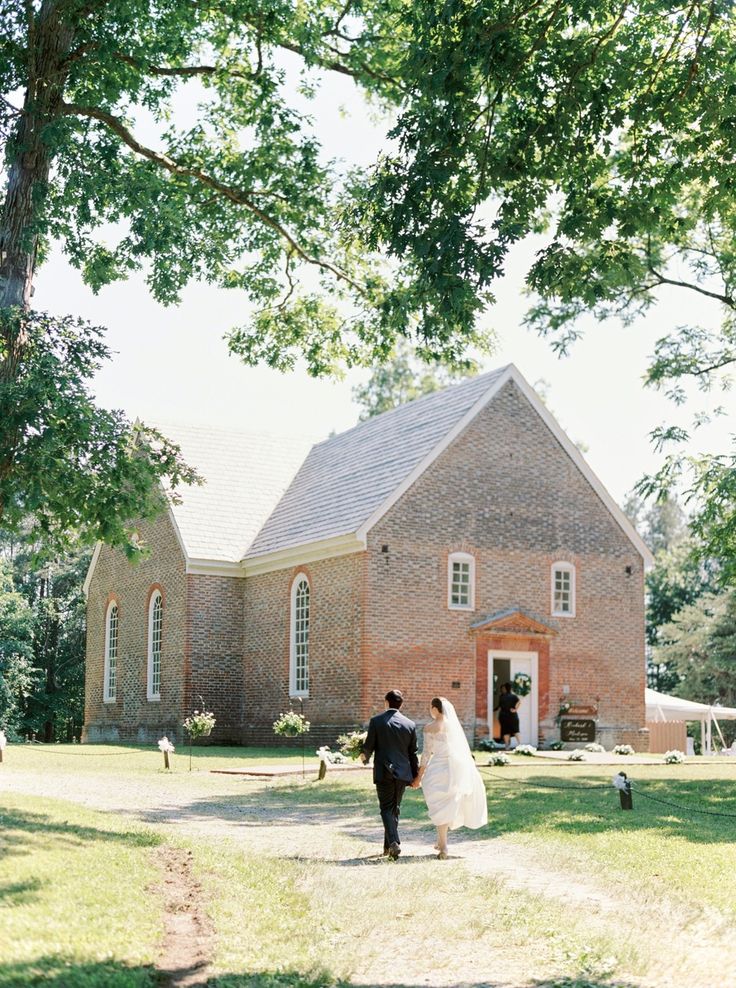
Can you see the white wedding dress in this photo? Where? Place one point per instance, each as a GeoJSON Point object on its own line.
{"type": "Point", "coordinates": [452, 785]}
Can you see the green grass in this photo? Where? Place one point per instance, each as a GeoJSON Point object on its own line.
{"type": "Point", "coordinates": [76, 901]}
{"type": "Point", "coordinates": [130, 760]}
{"type": "Point", "coordinates": [73, 897]}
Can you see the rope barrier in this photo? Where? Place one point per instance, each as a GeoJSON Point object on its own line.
{"type": "Point", "coordinates": [539, 785]}
{"type": "Point", "coordinates": [597, 788]}
{"type": "Point", "coordinates": [679, 806]}
{"type": "Point", "coordinates": [88, 754]}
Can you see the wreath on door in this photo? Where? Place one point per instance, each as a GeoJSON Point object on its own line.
{"type": "Point", "coordinates": [522, 683]}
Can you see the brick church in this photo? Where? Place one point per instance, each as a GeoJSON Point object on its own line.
{"type": "Point", "coordinates": [442, 547]}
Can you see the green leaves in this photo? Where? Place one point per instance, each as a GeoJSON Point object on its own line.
{"type": "Point", "coordinates": [70, 467]}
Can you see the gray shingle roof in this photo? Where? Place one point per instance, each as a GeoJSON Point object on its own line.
{"type": "Point", "coordinates": [245, 475]}
{"type": "Point", "coordinates": [347, 477]}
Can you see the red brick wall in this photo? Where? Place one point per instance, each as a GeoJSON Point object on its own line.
{"type": "Point", "coordinates": [133, 717]}
{"type": "Point", "coordinates": [214, 652]}
{"type": "Point", "coordinates": [506, 491]}
{"type": "Point", "coordinates": [201, 647]}
{"type": "Point", "coordinates": [333, 704]}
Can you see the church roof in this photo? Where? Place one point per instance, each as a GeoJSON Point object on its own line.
{"type": "Point", "coordinates": [244, 476]}
{"type": "Point", "coordinates": [347, 477]}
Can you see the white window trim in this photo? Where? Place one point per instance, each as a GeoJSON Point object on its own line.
{"type": "Point", "coordinates": [293, 691]}
{"type": "Point", "coordinates": [106, 698]}
{"type": "Point", "coordinates": [461, 557]}
{"type": "Point", "coordinates": [568, 568]}
{"type": "Point", "coordinates": [150, 695]}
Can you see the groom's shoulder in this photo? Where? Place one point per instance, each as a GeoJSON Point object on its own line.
{"type": "Point", "coordinates": [405, 721]}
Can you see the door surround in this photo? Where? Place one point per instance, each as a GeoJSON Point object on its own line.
{"type": "Point", "coordinates": [532, 698]}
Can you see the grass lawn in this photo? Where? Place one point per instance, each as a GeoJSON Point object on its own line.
{"type": "Point", "coordinates": [78, 899]}
{"type": "Point", "coordinates": [75, 904]}
{"type": "Point", "coordinates": [129, 760]}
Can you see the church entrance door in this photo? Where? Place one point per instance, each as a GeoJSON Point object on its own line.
{"type": "Point", "coordinates": [502, 667]}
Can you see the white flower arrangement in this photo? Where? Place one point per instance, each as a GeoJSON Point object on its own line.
{"type": "Point", "coordinates": [165, 745]}
{"type": "Point", "coordinates": [674, 757]}
{"type": "Point", "coordinates": [351, 744]}
{"type": "Point", "coordinates": [499, 758]}
{"type": "Point", "coordinates": [200, 724]}
{"type": "Point", "coordinates": [623, 749]}
{"type": "Point", "coordinates": [330, 757]}
{"type": "Point", "coordinates": [594, 747]}
{"type": "Point", "coordinates": [578, 755]}
{"type": "Point", "coordinates": [291, 725]}
{"type": "Point", "coordinates": [525, 749]}
{"type": "Point", "coordinates": [3, 740]}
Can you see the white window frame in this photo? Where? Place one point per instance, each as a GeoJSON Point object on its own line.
{"type": "Point", "coordinates": [461, 557]}
{"type": "Point", "coordinates": [565, 567]}
{"type": "Point", "coordinates": [152, 696]}
{"type": "Point", "coordinates": [107, 695]}
{"type": "Point", "coordinates": [297, 582]}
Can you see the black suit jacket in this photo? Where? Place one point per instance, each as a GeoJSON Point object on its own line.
{"type": "Point", "coordinates": [392, 738]}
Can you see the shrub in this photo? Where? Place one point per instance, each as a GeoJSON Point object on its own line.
{"type": "Point", "coordinates": [525, 749]}
{"type": "Point", "coordinates": [578, 755]}
{"type": "Point", "coordinates": [291, 725]}
{"type": "Point", "coordinates": [674, 757]}
{"type": "Point", "coordinates": [623, 749]}
{"type": "Point", "coordinates": [556, 745]}
{"type": "Point", "coordinates": [595, 747]}
{"type": "Point", "coordinates": [487, 744]}
{"type": "Point", "coordinates": [350, 744]}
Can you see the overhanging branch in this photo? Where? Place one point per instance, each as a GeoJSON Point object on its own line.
{"type": "Point", "coordinates": [240, 197]}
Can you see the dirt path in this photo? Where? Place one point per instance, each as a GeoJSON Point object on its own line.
{"type": "Point", "coordinates": [699, 942]}
{"type": "Point", "coordinates": [187, 948]}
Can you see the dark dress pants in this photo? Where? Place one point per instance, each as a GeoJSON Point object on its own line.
{"type": "Point", "coordinates": [389, 792]}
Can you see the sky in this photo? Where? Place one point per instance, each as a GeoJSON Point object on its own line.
{"type": "Point", "coordinates": [172, 364]}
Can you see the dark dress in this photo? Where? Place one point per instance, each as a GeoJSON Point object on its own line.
{"type": "Point", "coordinates": [507, 718]}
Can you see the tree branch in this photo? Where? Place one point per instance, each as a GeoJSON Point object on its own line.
{"type": "Point", "coordinates": [662, 280]}
{"type": "Point", "coordinates": [238, 196]}
{"type": "Point", "coordinates": [185, 71]}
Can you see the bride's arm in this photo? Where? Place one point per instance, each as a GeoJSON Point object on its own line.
{"type": "Point", "coordinates": [427, 750]}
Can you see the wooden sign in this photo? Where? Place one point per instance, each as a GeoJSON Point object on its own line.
{"type": "Point", "coordinates": [577, 729]}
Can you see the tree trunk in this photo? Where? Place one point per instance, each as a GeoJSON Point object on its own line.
{"type": "Point", "coordinates": [49, 43]}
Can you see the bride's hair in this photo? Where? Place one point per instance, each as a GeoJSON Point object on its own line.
{"type": "Point", "coordinates": [436, 703]}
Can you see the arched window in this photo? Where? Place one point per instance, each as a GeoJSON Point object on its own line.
{"type": "Point", "coordinates": [563, 590]}
{"type": "Point", "coordinates": [110, 684]}
{"type": "Point", "coordinates": [155, 622]}
{"type": "Point", "coordinates": [299, 658]}
{"type": "Point", "coordinates": [461, 581]}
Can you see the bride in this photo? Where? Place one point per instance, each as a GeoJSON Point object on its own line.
{"type": "Point", "coordinates": [453, 788]}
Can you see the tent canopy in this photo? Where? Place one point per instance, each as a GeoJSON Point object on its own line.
{"type": "Point", "coordinates": [662, 707]}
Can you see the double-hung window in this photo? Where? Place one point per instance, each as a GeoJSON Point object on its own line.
{"type": "Point", "coordinates": [461, 581]}
{"type": "Point", "coordinates": [299, 657]}
{"type": "Point", "coordinates": [563, 590]}
{"type": "Point", "coordinates": [110, 680]}
{"type": "Point", "coordinates": [155, 627]}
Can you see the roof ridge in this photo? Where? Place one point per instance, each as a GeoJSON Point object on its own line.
{"type": "Point", "coordinates": [412, 404]}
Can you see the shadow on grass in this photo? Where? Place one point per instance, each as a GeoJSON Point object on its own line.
{"type": "Point", "coordinates": [58, 972]}
{"type": "Point", "coordinates": [522, 808]}
{"type": "Point", "coordinates": [19, 893]}
{"type": "Point", "coordinates": [18, 828]}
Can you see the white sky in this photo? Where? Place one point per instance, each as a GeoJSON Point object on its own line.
{"type": "Point", "coordinates": [172, 364]}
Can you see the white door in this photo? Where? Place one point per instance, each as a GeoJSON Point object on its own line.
{"type": "Point", "coordinates": [502, 667]}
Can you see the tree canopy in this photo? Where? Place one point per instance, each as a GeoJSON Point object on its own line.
{"type": "Point", "coordinates": [606, 125]}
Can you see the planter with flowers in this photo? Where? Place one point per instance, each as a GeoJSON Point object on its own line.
{"type": "Point", "coordinates": [291, 725]}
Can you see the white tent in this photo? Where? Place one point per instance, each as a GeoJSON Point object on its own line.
{"type": "Point", "coordinates": [661, 707]}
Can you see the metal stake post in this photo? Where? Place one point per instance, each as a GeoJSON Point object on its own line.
{"type": "Point", "coordinates": [624, 793]}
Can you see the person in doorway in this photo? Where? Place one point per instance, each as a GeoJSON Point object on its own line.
{"type": "Point", "coordinates": [452, 786]}
{"type": "Point", "coordinates": [392, 739]}
{"type": "Point", "coordinates": [508, 714]}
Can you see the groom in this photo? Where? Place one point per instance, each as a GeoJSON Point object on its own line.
{"type": "Point", "coordinates": [393, 739]}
